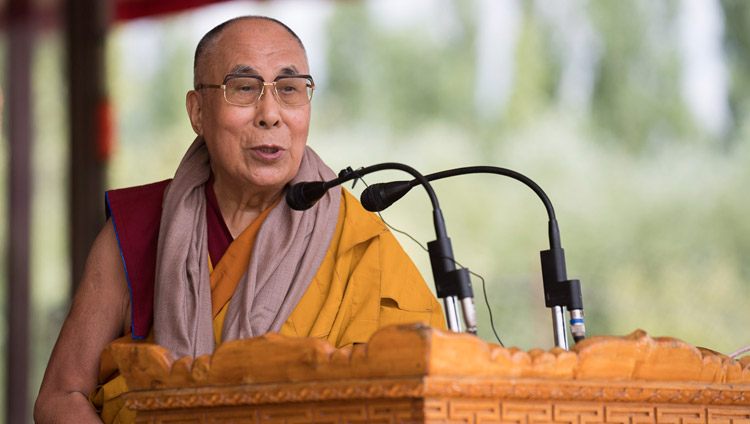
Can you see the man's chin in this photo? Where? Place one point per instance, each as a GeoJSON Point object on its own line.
{"type": "Point", "coordinates": [270, 182]}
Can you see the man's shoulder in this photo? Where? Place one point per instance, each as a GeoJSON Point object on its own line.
{"type": "Point", "coordinates": [355, 212]}
{"type": "Point", "coordinates": [359, 224]}
{"type": "Point", "coordinates": [158, 186]}
{"type": "Point", "coordinates": [145, 197]}
{"type": "Point", "coordinates": [136, 216]}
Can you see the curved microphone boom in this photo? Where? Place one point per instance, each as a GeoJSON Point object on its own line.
{"type": "Point", "coordinates": [451, 283]}
{"type": "Point", "coordinates": [559, 292]}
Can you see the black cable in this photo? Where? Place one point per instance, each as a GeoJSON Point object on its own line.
{"type": "Point", "coordinates": [559, 291]}
{"type": "Point", "coordinates": [484, 285]}
{"type": "Point", "coordinates": [440, 231]}
{"type": "Point", "coordinates": [487, 302]}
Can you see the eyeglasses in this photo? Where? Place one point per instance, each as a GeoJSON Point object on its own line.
{"type": "Point", "coordinates": [246, 90]}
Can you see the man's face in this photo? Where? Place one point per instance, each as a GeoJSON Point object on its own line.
{"type": "Point", "coordinates": [259, 147]}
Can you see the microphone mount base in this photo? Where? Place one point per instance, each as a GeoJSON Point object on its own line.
{"type": "Point", "coordinates": [452, 283]}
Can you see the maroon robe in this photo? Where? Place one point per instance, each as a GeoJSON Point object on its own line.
{"type": "Point", "coordinates": [136, 216]}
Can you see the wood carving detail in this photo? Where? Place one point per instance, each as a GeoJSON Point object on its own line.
{"type": "Point", "coordinates": [412, 374]}
{"type": "Point", "coordinates": [417, 350]}
{"type": "Point", "coordinates": [395, 412]}
{"type": "Point", "coordinates": [272, 394]}
{"type": "Point", "coordinates": [488, 412]}
{"type": "Point", "coordinates": [437, 387]}
{"type": "Point", "coordinates": [617, 391]}
{"type": "Point", "coordinates": [453, 412]}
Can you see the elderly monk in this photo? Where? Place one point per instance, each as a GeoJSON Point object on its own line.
{"type": "Point", "coordinates": [215, 254]}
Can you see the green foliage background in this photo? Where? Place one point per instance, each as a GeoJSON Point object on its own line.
{"type": "Point", "coordinates": [653, 208]}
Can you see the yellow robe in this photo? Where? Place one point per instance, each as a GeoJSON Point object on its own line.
{"type": "Point", "coordinates": [366, 281]}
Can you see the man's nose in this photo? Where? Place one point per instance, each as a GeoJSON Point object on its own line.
{"type": "Point", "coordinates": [268, 108]}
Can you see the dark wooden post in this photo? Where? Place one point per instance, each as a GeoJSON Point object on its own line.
{"type": "Point", "coordinates": [86, 28]}
{"type": "Point", "coordinates": [21, 44]}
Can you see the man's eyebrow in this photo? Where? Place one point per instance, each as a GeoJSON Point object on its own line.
{"type": "Point", "coordinates": [289, 70]}
{"type": "Point", "coordinates": [249, 70]}
{"type": "Point", "coordinates": [244, 69]}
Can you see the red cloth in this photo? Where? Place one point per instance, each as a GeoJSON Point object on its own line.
{"type": "Point", "coordinates": [132, 9]}
{"type": "Point", "coordinates": [219, 237]}
{"type": "Point", "coordinates": [136, 215]}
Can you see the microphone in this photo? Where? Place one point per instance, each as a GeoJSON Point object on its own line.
{"type": "Point", "coordinates": [451, 284]}
{"type": "Point", "coordinates": [559, 292]}
{"type": "Point", "coordinates": [380, 196]}
{"type": "Point", "coordinates": [303, 196]}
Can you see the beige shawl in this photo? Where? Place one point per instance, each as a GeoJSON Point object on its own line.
{"type": "Point", "coordinates": [288, 251]}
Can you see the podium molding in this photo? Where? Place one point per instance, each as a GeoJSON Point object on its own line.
{"type": "Point", "coordinates": [416, 374]}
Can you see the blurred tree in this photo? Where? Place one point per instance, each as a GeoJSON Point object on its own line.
{"type": "Point", "coordinates": [536, 73]}
{"type": "Point", "coordinates": [153, 130]}
{"type": "Point", "coordinates": [399, 77]}
{"type": "Point", "coordinates": [637, 97]}
{"type": "Point", "coordinates": [349, 83]}
{"type": "Point", "coordinates": [679, 236]}
{"type": "Point", "coordinates": [737, 53]}
{"type": "Point", "coordinates": [150, 97]}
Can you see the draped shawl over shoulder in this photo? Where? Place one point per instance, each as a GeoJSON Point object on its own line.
{"type": "Point", "coordinates": [288, 251]}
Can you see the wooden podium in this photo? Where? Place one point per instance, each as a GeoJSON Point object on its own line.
{"type": "Point", "coordinates": [415, 374]}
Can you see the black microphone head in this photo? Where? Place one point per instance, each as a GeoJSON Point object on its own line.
{"type": "Point", "coordinates": [378, 197]}
{"type": "Point", "coordinates": [303, 196]}
{"type": "Point", "coordinates": [372, 198]}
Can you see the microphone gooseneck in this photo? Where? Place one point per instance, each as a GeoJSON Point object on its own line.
{"type": "Point", "coordinates": [451, 284]}
{"type": "Point", "coordinates": [559, 292]}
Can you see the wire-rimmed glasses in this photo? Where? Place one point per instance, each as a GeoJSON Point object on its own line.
{"type": "Point", "coordinates": [246, 90]}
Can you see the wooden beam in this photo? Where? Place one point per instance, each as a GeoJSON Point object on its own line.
{"type": "Point", "coordinates": [21, 45]}
{"type": "Point", "coordinates": [86, 27]}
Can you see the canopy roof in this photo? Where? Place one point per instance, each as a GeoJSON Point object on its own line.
{"type": "Point", "coordinates": [132, 9]}
{"type": "Point", "coordinates": [47, 11]}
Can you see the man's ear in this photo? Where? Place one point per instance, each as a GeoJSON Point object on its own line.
{"type": "Point", "coordinates": [193, 102]}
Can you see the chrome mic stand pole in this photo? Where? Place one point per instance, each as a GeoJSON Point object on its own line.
{"type": "Point", "coordinates": [559, 328]}
{"type": "Point", "coordinates": [451, 313]}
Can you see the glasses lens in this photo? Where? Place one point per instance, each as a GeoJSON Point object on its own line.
{"type": "Point", "coordinates": [243, 91]}
{"type": "Point", "coordinates": [294, 91]}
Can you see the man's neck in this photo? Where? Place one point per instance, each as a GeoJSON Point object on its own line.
{"type": "Point", "coordinates": [239, 208]}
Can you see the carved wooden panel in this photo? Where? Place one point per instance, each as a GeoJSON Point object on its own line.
{"type": "Point", "coordinates": [417, 350]}
{"type": "Point", "coordinates": [379, 412]}
{"type": "Point", "coordinates": [453, 412]}
{"type": "Point", "coordinates": [627, 414]}
{"type": "Point", "coordinates": [413, 374]}
{"type": "Point", "coordinates": [728, 416]}
{"type": "Point", "coordinates": [494, 412]}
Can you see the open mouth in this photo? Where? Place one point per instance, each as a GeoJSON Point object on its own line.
{"type": "Point", "coordinates": [269, 150]}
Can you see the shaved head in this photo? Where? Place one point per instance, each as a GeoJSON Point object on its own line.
{"type": "Point", "coordinates": [207, 44]}
{"type": "Point", "coordinates": [256, 148]}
